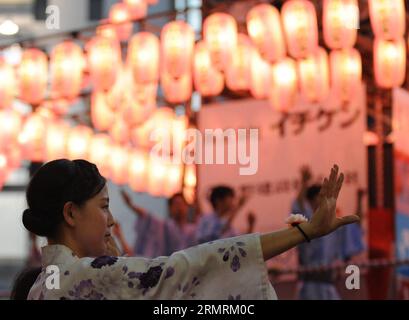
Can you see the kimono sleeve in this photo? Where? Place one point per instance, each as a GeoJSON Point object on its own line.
{"type": "Point", "coordinates": [231, 268]}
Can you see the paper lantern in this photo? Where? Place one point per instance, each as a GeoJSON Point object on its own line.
{"type": "Point", "coordinates": [8, 84]}
{"type": "Point", "coordinates": [264, 28]}
{"type": "Point", "coordinates": [190, 182]}
{"type": "Point", "coordinates": [157, 174]}
{"type": "Point", "coordinates": [67, 66]}
{"type": "Point", "coordinates": [143, 57]}
{"type": "Point", "coordinates": [78, 142]}
{"type": "Point", "coordinates": [284, 84]}
{"type": "Point", "coordinates": [207, 79]}
{"type": "Point", "coordinates": [389, 63]}
{"type": "Point", "coordinates": [104, 57]}
{"type": "Point", "coordinates": [120, 17]}
{"type": "Point", "coordinates": [32, 137]}
{"type": "Point", "coordinates": [33, 74]}
{"type": "Point", "coordinates": [138, 171]}
{"type": "Point", "coordinates": [100, 146]}
{"type": "Point", "coordinates": [14, 157]}
{"type": "Point", "coordinates": [174, 179]}
{"type": "Point", "coordinates": [11, 123]}
{"type": "Point", "coordinates": [102, 117]}
{"type": "Point", "coordinates": [176, 90]}
{"type": "Point", "coordinates": [177, 43]}
{"type": "Point", "coordinates": [179, 134]}
{"type": "Point", "coordinates": [340, 23]}
{"type": "Point", "coordinates": [220, 34]}
{"type": "Point", "coordinates": [300, 26]}
{"type": "Point", "coordinates": [346, 73]}
{"type": "Point", "coordinates": [137, 8]}
{"type": "Point", "coordinates": [107, 31]}
{"type": "Point", "coordinates": [239, 68]}
{"type": "Point", "coordinates": [120, 132]}
{"type": "Point", "coordinates": [56, 140]}
{"type": "Point", "coordinates": [313, 73]}
{"type": "Point", "coordinates": [119, 165]}
{"type": "Point", "coordinates": [260, 76]}
{"type": "Point", "coordinates": [388, 18]}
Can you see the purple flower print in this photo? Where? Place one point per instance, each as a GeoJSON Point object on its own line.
{"type": "Point", "coordinates": [85, 290]}
{"type": "Point", "coordinates": [234, 252]}
{"type": "Point", "coordinates": [235, 263]}
{"type": "Point", "coordinates": [100, 262]}
{"type": "Point", "coordinates": [150, 278]}
{"type": "Point", "coordinates": [242, 252]}
{"type": "Point", "coordinates": [169, 272]}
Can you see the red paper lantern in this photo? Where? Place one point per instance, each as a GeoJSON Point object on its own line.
{"type": "Point", "coordinates": [78, 142]}
{"type": "Point", "coordinates": [157, 174]}
{"type": "Point", "coordinates": [176, 90]}
{"type": "Point", "coordinates": [340, 23]}
{"type": "Point", "coordinates": [102, 116]}
{"type": "Point", "coordinates": [300, 27]}
{"type": "Point", "coordinates": [313, 73]}
{"type": "Point", "coordinates": [120, 17]}
{"type": "Point", "coordinates": [137, 8]}
{"type": "Point", "coordinates": [67, 66]}
{"type": "Point", "coordinates": [174, 179]}
{"type": "Point", "coordinates": [33, 74]}
{"type": "Point", "coordinates": [119, 165]}
{"type": "Point", "coordinates": [239, 68]}
{"type": "Point", "coordinates": [143, 57]}
{"type": "Point", "coordinates": [264, 28]}
{"type": "Point", "coordinates": [207, 79]}
{"type": "Point", "coordinates": [177, 43]}
{"type": "Point", "coordinates": [56, 140]}
{"type": "Point", "coordinates": [10, 126]}
{"type": "Point", "coordinates": [138, 171]}
{"type": "Point", "coordinates": [346, 73]}
{"type": "Point", "coordinates": [100, 146]}
{"type": "Point", "coordinates": [32, 137]}
{"type": "Point", "coordinates": [190, 181]}
{"type": "Point", "coordinates": [120, 132]}
{"type": "Point", "coordinates": [388, 18]}
{"type": "Point", "coordinates": [389, 63]}
{"type": "Point", "coordinates": [260, 76]}
{"type": "Point", "coordinates": [104, 57]}
{"type": "Point", "coordinates": [284, 84]}
{"type": "Point", "coordinates": [8, 84]}
{"type": "Point", "coordinates": [220, 34]}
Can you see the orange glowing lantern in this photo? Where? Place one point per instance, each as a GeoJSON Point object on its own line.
{"type": "Point", "coordinates": [143, 57]}
{"type": "Point", "coordinates": [56, 139]}
{"type": "Point", "coordinates": [137, 8]}
{"type": "Point", "coordinates": [120, 17]}
{"type": "Point", "coordinates": [157, 174]}
{"type": "Point", "coordinates": [107, 31]}
{"type": "Point", "coordinates": [346, 73]}
{"type": "Point", "coordinates": [177, 43]}
{"type": "Point", "coordinates": [78, 142]}
{"type": "Point", "coordinates": [100, 146]}
{"type": "Point", "coordinates": [67, 66]}
{"type": "Point", "coordinates": [300, 27]}
{"type": "Point", "coordinates": [176, 90]}
{"type": "Point", "coordinates": [284, 84]}
{"type": "Point", "coordinates": [32, 138]}
{"type": "Point", "coordinates": [220, 34]}
{"type": "Point", "coordinates": [260, 76]}
{"type": "Point", "coordinates": [239, 68]}
{"type": "Point", "coordinates": [120, 132]}
{"type": "Point", "coordinates": [104, 57]}
{"type": "Point", "coordinates": [138, 171]}
{"type": "Point", "coordinates": [174, 179]}
{"type": "Point", "coordinates": [190, 181]}
{"type": "Point", "coordinates": [8, 84]}
{"type": "Point", "coordinates": [388, 18]}
{"type": "Point", "coordinates": [264, 28]}
{"type": "Point", "coordinates": [313, 73]}
{"type": "Point", "coordinates": [102, 117]}
{"type": "Point", "coordinates": [10, 126]}
{"type": "Point", "coordinates": [14, 157]}
{"type": "Point", "coordinates": [389, 63]}
{"type": "Point", "coordinates": [33, 74]}
{"type": "Point", "coordinates": [179, 134]}
{"type": "Point", "coordinates": [119, 165]}
{"type": "Point", "coordinates": [340, 23]}
{"type": "Point", "coordinates": [207, 79]}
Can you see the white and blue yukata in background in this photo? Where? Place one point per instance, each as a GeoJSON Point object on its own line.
{"type": "Point", "coordinates": [157, 237]}
{"type": "Point", "coordinates": [210, 227]}
{"type": "Point", "coordinates": [229, 269]}
{"type": "Point", "coordinates": [341, 244]}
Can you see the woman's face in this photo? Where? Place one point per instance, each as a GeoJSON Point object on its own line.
{"type": "Point", "coordinates": [93, 225]}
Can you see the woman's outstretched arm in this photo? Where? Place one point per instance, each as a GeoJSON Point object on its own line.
{"type": "Point", "coordinates": [324, 220]}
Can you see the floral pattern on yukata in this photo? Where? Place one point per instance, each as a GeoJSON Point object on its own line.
{"type": "Point", "coordinates": [231, 297]}
{"type": "Point", "coordinates": [103, 261]}
{"type": "Point", "coordinates": [232, 254]}
{"type": "Point", "coordinates": [85, 290]}
{"type": "Point", "coordinates": [189, 286]}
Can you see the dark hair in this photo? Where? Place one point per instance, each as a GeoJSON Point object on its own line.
{"type": "Point", "coordinates": [220, 193]}
{"type": "Point", "coordinates": [23, 283]}
{"type": "Point", "coordinates": [313, 191]}
{"type": "Point", "coordinates": [52, 186]}
{"type": "Point", "coordinates": [173, 197]}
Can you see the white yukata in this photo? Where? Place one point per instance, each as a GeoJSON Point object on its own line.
{"type": "Point", "coordinates": [226, 269]}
